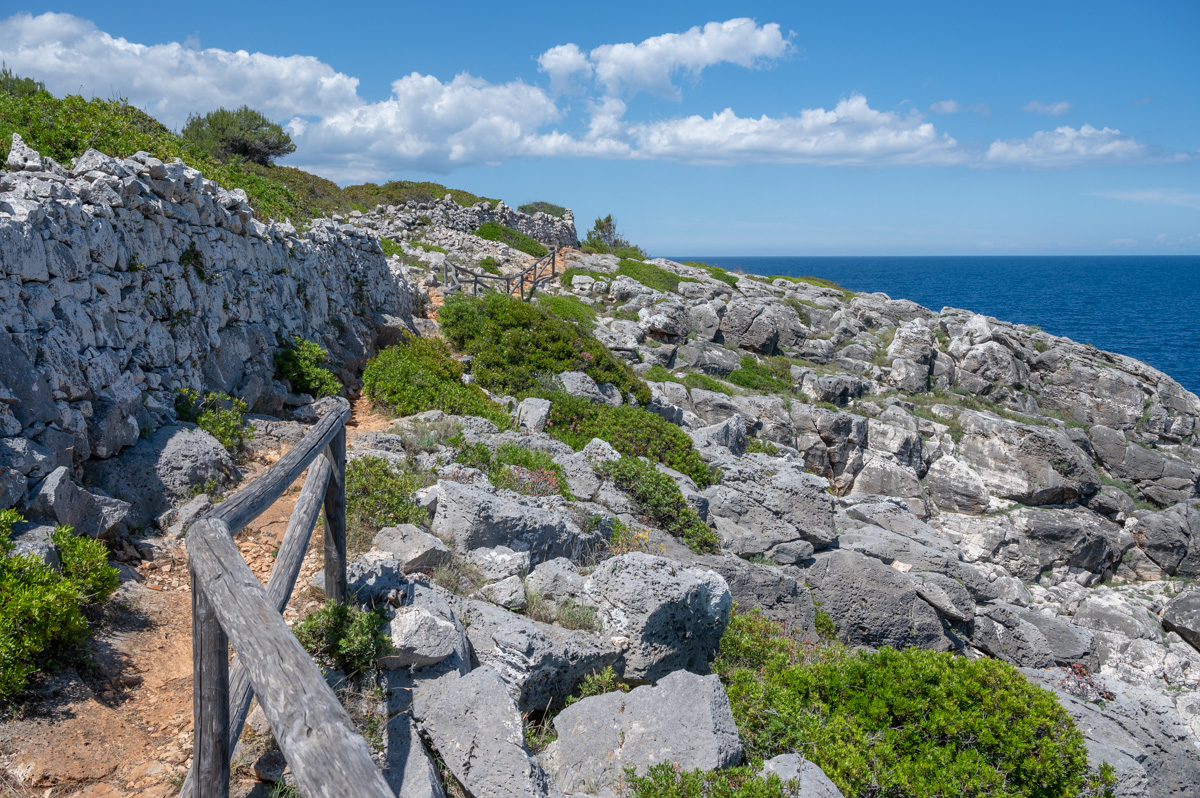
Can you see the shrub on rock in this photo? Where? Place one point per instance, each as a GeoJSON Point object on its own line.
{"type": "Point", "coordinates": [494, 231]}
{"type": "Point", "coordinates": [659, 498]}
{"type": "Point", "coordinates": [300, 364]}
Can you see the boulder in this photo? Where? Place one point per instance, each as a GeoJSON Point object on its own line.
{"type": "Point", "coordinates": [955, 487]}
{"type": "Point", "coordinates": [415, 549]}
{"type": "Point", "coordinates": [723, 439]}
{"type": "Point", "coordinates": [555, 580]}
{"type": "Point", "coordinates": [407, 767]}
{"type": "Point", "coordinates": [1167, 537]}
{"type": "Point", "coordinates": [474, 726]}
{"type": "Point", "coordinates": [532, 414]}
{"type": "Point", "coordinates": [578, 383]}
{"type": "Point", "coordinates": [671, 616]}
{"type": "Point", "coordinates": [508, 593]}
{"type": "Point", "coordinates": [775, 592]}
{"type": "Point", "coordinates": [770, 502]}
{"type": "Point", "coordinates": [419, 638]}
{"type": "Point", "coordinates": [684, 720]}
{"type": "Point", "coordinates": [1182, 616]}
{"type": "Point", "coordinates": [811, 781]}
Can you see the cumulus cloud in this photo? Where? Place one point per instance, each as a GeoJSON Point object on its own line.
{"type": "Point", "coordinates": [1156, 196]}
{"type": "Point", "coordinates": [626, 69]}
{"type": "Point", "coordinates": [1050, 109]}
{"type": "Point", "coordinates": [72, 55]}
{"type": "Point", "coordinates": [955, 107]}
{"type": "Point", "coordinates": [1068, 146]}
{"type": "Point", "coordinates": [852, 133]}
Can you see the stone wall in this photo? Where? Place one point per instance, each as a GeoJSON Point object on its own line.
{"type": "Point", "coordinates": [400, 221]}
{"type": "Point", "coordinates": [124, 280]}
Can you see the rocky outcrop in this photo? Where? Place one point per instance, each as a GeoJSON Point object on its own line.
{"type": "Point", "coordinates": [401, 221]}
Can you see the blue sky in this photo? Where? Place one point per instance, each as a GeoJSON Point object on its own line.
{"type": "Point", "coordinates": [753, 128]}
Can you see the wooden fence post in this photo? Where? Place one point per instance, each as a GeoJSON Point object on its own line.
{"type": "Point", "coordinates": [210, 698]}
{"type": "Point", "coordinates": [335, 519]}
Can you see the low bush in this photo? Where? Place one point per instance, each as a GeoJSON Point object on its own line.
{"type": "Point", "coordinates": [390, 247]}
{"type": "Point", "coordinates": [218, 414]}
{"type": "Point", "coordinates": [598, 683]}
{"type": "Point", "coordinates": [632, 431]}
{"type": "Point", "coordinates": [242, 133]}
{"type": "Point", "coordinates": [660, 500]}
{"type": "Point", "coordinates": [570, 274]}
{"type": "Point", "coordinates": [379, 494]}
{"type": "Point", "coordinates": [652, 276]}
{"type": "Point", "coordinates": [490, 266]}
{"type": "Point", "coordinates": [525, 471]}
{"type": "Point", "coordinates": [569, 308]}
{"type": "Point", "coordinates": [543, 207]}
{"type": "Point", "coordinates": [420, 375]}
{"type": "Point", "coordinates": [716, 272]}
{"type": "Point", "coordinates": [430, 247]}
{"type": "Point", "coordinates": [42, 611]}
{"type": "Point", "coordinates": [604, 239]}
{"type": "Point", "coordinates": [706, 383]}
{"type": "Point", "coordinates": [665, 780]}
{"type": "Point", "coordinates": [301, 365]}
{"type": "Point", "coordinates": [494, 231]}
{"type": "Point", "coordinates": [758, 445]}
{"type": "Point", "coordinates": [344, 637]}
{"type": "Point", "coordinates": [517, 346]}
{"type": "Point", "coordinates": [773, 374]}
{"type": "Point", "coordinates": [911, 723]}
{"type": "Point", "coordinates": [399, 192]}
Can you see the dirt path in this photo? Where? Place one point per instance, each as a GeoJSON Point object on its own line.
{"type": "Point", "coordinates": [120, 724]}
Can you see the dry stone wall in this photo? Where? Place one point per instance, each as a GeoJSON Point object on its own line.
{"type": "Point", "coordinates": [401, 221]}
{"type": "Point", "coordinates": [124, 280]}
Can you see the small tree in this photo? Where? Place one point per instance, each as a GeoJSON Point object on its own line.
{"type": "Point", "coordinates": [244, 133]}
{"type": "Point", "coordinates": [17, 86]}
{"type": "Point", "coordinates": [604, 238]}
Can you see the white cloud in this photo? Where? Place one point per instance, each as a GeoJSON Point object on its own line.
{"type": "Point", "coordinates": [955, 107]}
{"type": "Point", "coordinates": [1067, 146]}
{"type": "Point", "coordinates": [71, 55]}
{"type": "Point", "coordinates": [1122, 242]}
{"type": "Point", "coordinates": [626, 69]}
{"type": "Point", "coordinates": [852, 133]}
{"type": "Point", "coordinates": [565, 64]}
{"type": "Point", "coordinates": [1156, 196]}
{"type": "Point", "coordinates": [1051, 109]}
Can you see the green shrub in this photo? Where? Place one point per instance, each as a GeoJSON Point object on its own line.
{"type": "Point", "coordinates": [525, 471]}
{"type": "Point", "coordinates": [772, 374]}
{"type": "Point", "coordinates": [826, 628]}
{"type": "Point", "coordinates": [569, 308]}
{"type": "Point", "coordinates": [218, 414]}
{"type": "Point", "coordinates": [345, 637]}
{"type": "Point", "coordinates": [430, 247]}
{"type": "Point", "coordinates": [716, 272]}
{"type": "Point", "coordinates": [598, 683]}
{"type": "Point", "coordinates": [490, 266]}
{"type": "Point", "coordinates": [659, 373]}
{"type": "Point", "coordinates": [544, 207]}
{"type": "Point", "coordinates": [652, 276]}
{"type": "Point", "coordinates": [604, 239]}
{"type": "Point", "coordinates": [659, 499]}
{"type": "Point", "coordinates": [243, 133]}
{"type": "Point", "coordinates": [762, 447]}
{"type": "Point", "coordinates": [14, 84]}
{"type": "Point", "coordinates": [518, 345]}
{"type": "Point", "coordinates": [664, 780]}
{"type": "Point", "coordinates": [300, 364]}
{"type": "Point", "coordinates": [570, 274]}
{"type": "Point", "coordinates": [706, 383]}
{"type": "Point", "coordinates": [420, 375]}
{"type": "Point", "coordinates": [42, 610]}
{"type": "Point", "coordinates": [378, 495]}
{"type": "Point", "coordinates": [399, 192]}
{"type": "Point", "coordinates": [390, 247]}
{"type": "Point", "coordinates": [911, 723]}
{"type": "Point", "coordinates": [632, 431]}
{"type": "Point", "coordinates": [494, 231]}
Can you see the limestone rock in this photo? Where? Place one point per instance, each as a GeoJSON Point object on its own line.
{"type": "Point", "coordinates": [415, 549]}
{"type": "Point", "coordinates": [811, 781]}
{"type": "Point", "coordinates": [419, 638]}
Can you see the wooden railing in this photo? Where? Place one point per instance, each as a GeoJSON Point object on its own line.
{"type": "Point", "coordinates": [522, 285]}
{"type": "Point", "coordinates": [229, 605]}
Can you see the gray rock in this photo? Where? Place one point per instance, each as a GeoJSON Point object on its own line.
{"type": "Point", "coordinates": [684, 720]}
{"type": "Point", "coordinates": [578, 383]}
{"type": "Point", "coordinates": [1007, 634]}
{"type": "Point", "coordinates": [419, 638]}
{"type": "Point", "coordinates": [414, 548]}
{"type": "Point", "coordinates": [1105, 610]}
{"type": "Point", "coordinates": [34, 397]}
{"type": "Point", "coordinates": [672, 616]}
{"type": "Point", "coordinates": [378, 441]}
{"type": "Point", "coordinates": [774, 591]}
{"type": "Point", "coordinates": [811, 781]}
{"type": "Point", "coordinates": [771, 502]}
{"type": "Point", "coordinates": [499, 562]}
{"type": "Point", "coordinates": [532, 414]}
{"type": "Point", "coordinates": [473, 725]}
{"type": "Point", "coordinates": [175, 522]}
{"type": "Point", "coordinates": [555, 580]}
{"type": "Point", "coordinates": [1182, 616]}
{"type": "Point", "coordinates": [722, 439]}
{"type": "Point", "coordinates": [36, 539]}
{"type": "Point", "coordinates": [1075, 538]}
{"type": "Point", "coordinates": [13, 485]}
{"type": "Point", "coordinates": [508, 593]}
{"type": "Point", "coordinates": [407, 766]}
{"type": "Point", "coordinates": [955, 487]}
{"type": "Point", "coordinates": [1167, 538]}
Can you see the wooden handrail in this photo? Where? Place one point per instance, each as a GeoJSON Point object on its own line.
{"type": "Point", "coordinates": [533, 275]}
{"type": "Point", "coordinates": [318, 739]}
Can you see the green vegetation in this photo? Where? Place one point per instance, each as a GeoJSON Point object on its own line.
{"type": "Point", "coordinates": [570, 274]}
{"type": "Point", "coordinates": [543, 207]}
{"type": "Point", "coordinates": [390, 247]}
{"type": "Point", "coordinates": [241, 134]}
{"type": "Point", "coordinates": [43, 612]}
{"type": "Point", "coordinates": [659, 499]}
{"type": "Point", "coordinates": [716, 272]}
{"type": "Point", "coordinates": [17, 86]}
{"type": "Point", "coordinates": [219, 414]}
{"type": "Point", "coordinates": [772, 374]}
{"type": "Point", "coordinates": [820, 282]}
{"type": "Point", "coordinates": [908, 723]}
{"type": "Point", "coordinates": [598, 683]}
{"type": "Point", "coordinates": [490, 266]}
{"type": "Point", "coordinates": [399, 192]}
{"type": "Point", "coordinates": [568, 613]}
{"type": "Point", "coordinates": [430, 247]}
{"type": "Point", "coordinates": [345, 637]}
{"type": "Point", "coordinates": [494, 231]}
{"type": "Point", "coordinates": [517, 346]}
{"type": "Point", "coordinates": [652, 276]}
{"type": "Point", "coordinates": [300, 364]}
{"type": "Point", "coordinates": [665, 781]}
{"type": "Point", "coordinates": [604, 239]}
{"type": "Point", "coordinates": [706, 383]}
{"type": "Point", "coordinates": [420, 375]}
{"type": "Point", "coordinates": [826, 628]}
{"type": "Point", "coordinates": [569, 308]}
{"type": "Point", "coordinates": [525, 471]}
{"type": "Point", "coordinates": [632, 431]}
{"type": "Point", "coordinates": [379, 494]}
{"type": "Point", "coordinates": [761, 447]}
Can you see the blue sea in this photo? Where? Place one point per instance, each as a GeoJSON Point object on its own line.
{"type": "Point", "coordinates": [1147, 307]}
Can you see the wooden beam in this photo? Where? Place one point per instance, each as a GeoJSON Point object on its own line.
{"type": "Point", "coordinates": [210, 696]}
{"type": "Point", "coordinates": [335, 520]}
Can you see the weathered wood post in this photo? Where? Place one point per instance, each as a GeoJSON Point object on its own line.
{"type": "Point", "coordinates": [335, 519]}
{"type": "Point", "coordinates": [210, 698]}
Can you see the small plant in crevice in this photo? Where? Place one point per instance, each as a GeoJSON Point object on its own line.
{"type": "Point", "coordinates": [300, 363]}
{"type": "Point", "coordinates": [380, 494]}
{"type": "Point", "coordinates": [660, 500]}
{"type": "Point", "coordinates": [344, 637]}
{"type": "Point", "coordinates": [525, 471]}
{"type": "Point", "coordinates": [191, 258]}
{"type": "Point", "coordinates": [218, 414]}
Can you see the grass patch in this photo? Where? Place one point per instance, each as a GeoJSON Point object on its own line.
{"type": "Point", "coordinates": [716, 272]}
{"type": "Point", "coordinates": [518, 346]}
{"type": "Point", "coordinates": [906, 723]}
{"type": "Point", "coordinates": [400, 192]}
{"type": "Point", "coordinates": [632, 431]}
{"type": "Point", "coordinates": [300, 363]}
{"type": "Point", "coordinates": [569, 614]}
{"type": "Point", "coordinates": [772, 374]}
{"type": "Point", "coordinates": [344, 637]}
{"type": "Point", "coordinates": [490, 266]}
{"type": "Point", "coordinates": [430, 247]}
{"type": "Point", "coordinates": [218, 414]}
{"type": "Point", "coordinates": [420, 375]}
{"type": "Point", "coordinates": [378, 495]}
{"type": "Point", "coordinates": [651, 276]}
{"type": "Point", "coordinates": [569, 308]}
{"type": "Point", "coordinates": [542, 207]}
{"type": "Point", "coordinates": [665, 780]}
{"type": "Point", "coordinates": [390, 247]}
{"type": "Point", "coordinates": [660, 500]}
{"type": "Point", "coordinates": [494, 231]}
{"type": "Point", "coordinates": [706, 383]}
{"type": "Point", "coordinates": [427, 436]}
{"type": "Point", "coordinates": [525, 471]}
{"type": "Point", "coordinates": [44, 613]}
{"type": "Point", "coordinates": [570, 274]}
